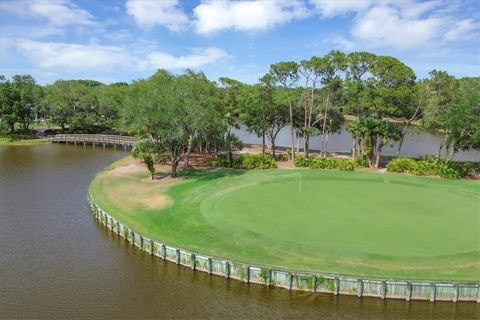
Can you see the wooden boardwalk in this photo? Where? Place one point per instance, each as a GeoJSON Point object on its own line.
{"type": "Point", "coordinates": [104, 140]}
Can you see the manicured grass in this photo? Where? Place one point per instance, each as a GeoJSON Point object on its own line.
{"type": "Point", "coordinates": [23, 142]}
{"type": "Point", "coordinates": [355, 223]}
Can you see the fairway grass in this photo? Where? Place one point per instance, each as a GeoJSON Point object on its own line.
{"type": "Point", "coordinates": [355, 223]}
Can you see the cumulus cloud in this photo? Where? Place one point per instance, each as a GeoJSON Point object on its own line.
{"type": "Point", "coordinates": [217, 15]}
{"type": "Point", "coordinates": [54, 55]}
{"type": "Point", "coordinates": [402, 25]}
{"type": "Point", "coordinates": [57, 12]}
{"type": "Point", "coordinates": [384, 26]}
{"type": "Point", "coordinates": [197, 59]}
{"type": "Point", "coordinates": [155, 12]}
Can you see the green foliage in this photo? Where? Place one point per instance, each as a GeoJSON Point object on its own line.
{"type": "Point", "coordinates": [303, 161]}
{"type": "Point", "coordinates": [246, 161]}
{"type": "Point", "coordinates": [257, 161]}
{"type": "Point", "coordinates": [330, 285]}
{"type": "Point", "coordinates": [264, 274]}
{"type": "Point", "coordinates": [149, 163]}
{"type": "Point", "coordinates": [361, 161]}
{"type": "Point", "coordinates": [432, 166]}
{"type": "Point", "coordinates": [282, 157]}
{"type": "Point", "coordinates": [401, 165]}
{"type": "Point", "coordinates": [324, 163]}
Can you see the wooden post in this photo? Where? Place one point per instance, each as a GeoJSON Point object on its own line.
{"type": "Point", "coordinates": [408, 295]}
{"type": "Point", "coordinates": [227, 269]}
{"type": "Point", "coordinates": [269, 277]}
{"type": "Point", "coordinates": [359, 288]}
{"type": "Point", "coordinates": [192, 256]}
{"type": "Point", "coordinates": [164, 252]}
{"type": "Point", "coordinates": [314, 283]}
{"type": "Point", "coordinates": [247, 278]}
{"type": "Point", "coordinates": [290, 281]}
{"type": "Point", "coordinates": [151, 247]}
{"type": "Point", "coordinates": [384, 289]}
{"type": "Point", "coordinates": [433, 292]}
{"type": "Point", "coordinates": [178, 256]}
{"type": "Point", "coordinates": [336, 288]}
{"type": "Point", "coordinates": [455, 293]}
{"type": "Point", "coordinates": [209, 265]}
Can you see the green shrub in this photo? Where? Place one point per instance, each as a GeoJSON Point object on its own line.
{"type": "Point", "coordinates": [430, 166]}
{"type": "Point", "coordinates": [303, 161]}
{"type": "Point", "coordinates": [401, 165]}
{"type": "Point", "coordinates": [324, 163]}
{"type": "Point", "coordinates": [246, 161]}
{"type": "Point", "coordinates": [257, 161]}
{"type": "Point", "coordinates": [361, 161]}
{"type": "Point", "coordinates": [264, 274]}
{"type": "Point", "coordinates": [346, 165]}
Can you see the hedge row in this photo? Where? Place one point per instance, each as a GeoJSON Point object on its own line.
{"type": "Point", "coordinates": [246, 161]}
{"type": "Point", "coordinates": [324, 163]}
{"type": "Point", "coordinates": [434, 166]}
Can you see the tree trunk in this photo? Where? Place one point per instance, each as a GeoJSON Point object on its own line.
{"type": "Point", "coordinates": [263, 142]}
{"type": "Point", "coordinates": [353, 148]}
{"type": "Point", "coordinates": [404, 130]}
{"type": "Point", "coordinates": [378, 151]}
{"type": "Point", "coordinates": [174, 167]}
{"type": "Point", "coordinates": [186, 159]}
{"type": "Point", "coordinates": [306, 140]}
{"type": "Point", "coordinates": [325, 143]}
{"type": "Point", "coordinates": [324, 125]}
{"type": "Point", "coordinates": [292, 131]}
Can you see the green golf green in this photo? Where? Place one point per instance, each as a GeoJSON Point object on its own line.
{"type": "Point", "coordinates": [358, 223]}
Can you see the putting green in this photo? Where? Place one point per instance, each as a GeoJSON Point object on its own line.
{"type": "Point", "coordinates": [327, 221]}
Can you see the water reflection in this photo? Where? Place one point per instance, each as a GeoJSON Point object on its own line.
{"type": "Point", "coordinates": [57, 262]}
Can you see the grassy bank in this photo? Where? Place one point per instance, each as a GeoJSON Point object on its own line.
{"type": "Point", "coordinates": [22, 142]}
{"type": "Point", "coordinates": [358, 223]}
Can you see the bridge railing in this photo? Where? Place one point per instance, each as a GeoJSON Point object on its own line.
{"type": "Point", "coordinates": [94, 138]}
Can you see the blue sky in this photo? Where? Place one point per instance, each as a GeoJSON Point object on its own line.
{"type": "Point", "coordinates": [123, 40]}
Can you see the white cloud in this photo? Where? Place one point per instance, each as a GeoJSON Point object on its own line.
{"type": "Point", "coordinates": [73, 56]}
{"type": "Point", "coordinates": [153, 12]}
{"type": "Point", "coordinates": [199, 58]}
{"type": "Point", "coordinates": [402, 25]}
{"type": "Point", "coordinates": [387, 26]}
{"type": "Point", "coordinates": [462, 30]}
{"type": "Point", "coordinates": [217, 15]}
{"type": "Point", "coordinates": [59, 55]}
{"type": "Point", "coordinates": [57, 12]}
{"type": "Point", "coordinates": [331, 8]}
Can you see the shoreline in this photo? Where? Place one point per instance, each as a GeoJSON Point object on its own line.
{"type": "Point", "coordinates": [442, 290]}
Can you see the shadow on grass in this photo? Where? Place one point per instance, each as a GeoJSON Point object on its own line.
{"type": "Point", "coordinates": [210, 174]}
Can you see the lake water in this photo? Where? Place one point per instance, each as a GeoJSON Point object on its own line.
{"type": "Point", "coordinates": [56, 262]}
{"type": "Point", "coordinates": [416, 144]}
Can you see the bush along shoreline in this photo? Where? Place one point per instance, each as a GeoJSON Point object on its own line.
{"type": "Point", "coordinates": [434, 166]}
{"type": "Point", "coordinates": [427, 166]}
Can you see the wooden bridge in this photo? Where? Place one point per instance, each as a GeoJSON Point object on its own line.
{"type": "Point", "coordinates": [104, 140]}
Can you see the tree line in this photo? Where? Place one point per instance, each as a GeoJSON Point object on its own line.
{"type": "Point", "coordinates": [379, 96]}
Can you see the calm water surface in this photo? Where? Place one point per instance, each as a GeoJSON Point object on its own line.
{"type": "Point", "coordinates": [56, 262]}
{"type": "Point", "coordinates": [416, 144]}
